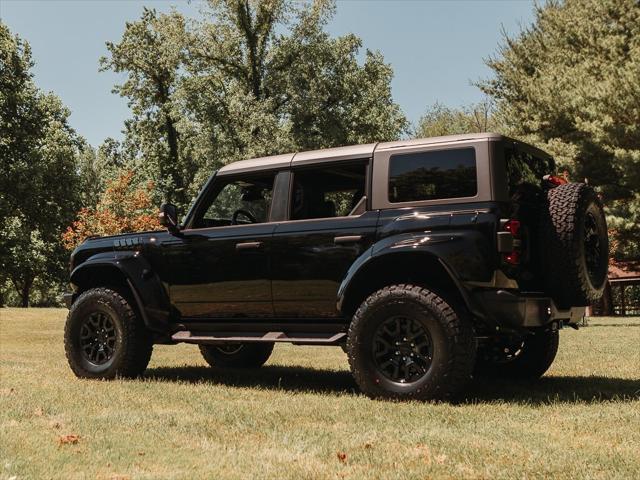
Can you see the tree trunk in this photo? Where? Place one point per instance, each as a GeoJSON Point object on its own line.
{"type": "Point", "coordinates": [174, 155]}
{"type": "Point", "coordinates": [23, 289]}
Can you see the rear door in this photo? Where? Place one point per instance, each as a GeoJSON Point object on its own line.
{"type": "Point", "coordinates": [329, 226]}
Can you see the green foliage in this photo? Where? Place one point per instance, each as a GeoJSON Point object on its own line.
{"type": "Point", "coordinates": [569, 83]}
{"type": "Point", "coordinates": [39, 182]}
{"type": "Point", "coordinates": [440, 120]}
{"type": "Point", "coordinates": [249, 79]}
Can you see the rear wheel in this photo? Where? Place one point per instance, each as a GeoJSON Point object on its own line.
{"type": "Point", "coordinates": [406, 342]}
{"type": "Point", "coordinates": [523, 358]}
{"type": "Point", "coordinates": [237, 355]}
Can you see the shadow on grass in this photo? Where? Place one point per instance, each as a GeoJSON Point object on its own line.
{"type": "Point", "coordinates": [301, 379]}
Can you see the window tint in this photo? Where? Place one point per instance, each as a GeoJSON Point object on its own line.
{"type": "Point", "coordinates": [238, 202]}
{"type": "Point", "coordinates": [327, 192]}
{"type": "Point", "coordinates": [432, 175]}
{"type": "Point", "coordinates": [523, 169]}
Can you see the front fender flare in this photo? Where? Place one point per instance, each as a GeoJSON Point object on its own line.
{"type": "Point", "coordinates": [146, 288]}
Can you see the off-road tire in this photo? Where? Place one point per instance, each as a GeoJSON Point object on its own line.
{"type": "Point", "coordinates": [133, 344]}
{"type": "Point", "coordinates": [571, 210]}
{"type": "Point", "coordinates": [537, 353]}
{"type": "Point", "coordinates": [451, 334]}
{"type": "Point", "coordinates": [247, 355]}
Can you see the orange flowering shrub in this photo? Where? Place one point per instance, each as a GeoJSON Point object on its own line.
{"type": "Point", "coordinates": [122, 208]}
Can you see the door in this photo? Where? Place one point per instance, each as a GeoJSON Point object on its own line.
{"type": "Point", "coordinates": [220, 266]}
{"type": "Point", "coordinates": [327, 230]}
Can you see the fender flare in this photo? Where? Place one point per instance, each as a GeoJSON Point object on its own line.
{"type": "Point", "coordinates": [146, 288]}
{"type": "Point", "coordinates": [435, 247]}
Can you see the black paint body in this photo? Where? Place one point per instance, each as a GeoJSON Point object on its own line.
{"type": "Point", "coordinates": [309, 272]}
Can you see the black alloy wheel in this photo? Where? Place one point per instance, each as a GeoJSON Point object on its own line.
{"type": "Point", "coordinates": [229, 348]}
{"type": "Point", "coordinates": [104, 337]}
{"type": "Point", "coordinates": [406, 342]}
{"type": "Point", "coordinates": [237, 355]}
{"type": "Point", "coordinates": [98, 338]}
{"type": "Point", "coordinates": [402, 349]}
{"type": "Point", "coordinates": [592, 248]}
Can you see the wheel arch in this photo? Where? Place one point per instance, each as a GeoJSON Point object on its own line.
{"type": "Point", "coordinates": [131, 274]}
{"type": "Point", "coordinates": [386, 268]}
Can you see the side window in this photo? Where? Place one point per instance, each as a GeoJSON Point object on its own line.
{"type": "Point", "coordinates": [238, 201]}
{"type": "Point", "coordinates": [328, 191]}
{"type": "Point", "coordinates": [433, 175]}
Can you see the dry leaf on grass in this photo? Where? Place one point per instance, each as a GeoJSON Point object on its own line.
{"type": "Point", "coordinates": [342, 457]}
{"type": "Point", "coordinates": [424, 452]}
{"type": "Point", "coordinates": [441, 458]}
{"type": "Point", "coordinates": [71, 439]}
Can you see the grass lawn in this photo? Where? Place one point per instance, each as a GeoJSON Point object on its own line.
{"type": "Point", "coordinates": [301, 416]}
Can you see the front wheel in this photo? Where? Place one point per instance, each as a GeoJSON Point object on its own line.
{"type": "Point", "coordinates": [237, 355]}
{"type": "Point", "coordinates": [104, 338]}
{"type": "Point", "coordinates": [406, 342]}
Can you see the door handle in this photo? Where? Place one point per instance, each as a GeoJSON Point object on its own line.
{"type": "Point", "coordinates": [248, 246]}
{"type": "Point", "coordinates": [347, 239]}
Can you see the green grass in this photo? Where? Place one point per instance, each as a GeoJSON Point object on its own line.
{"type": "Point", "coordinates": [302, 417]}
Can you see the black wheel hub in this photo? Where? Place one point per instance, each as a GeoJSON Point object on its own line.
{"type": "Point", "coordinates": [230, 348]}
{"type": "Point", "coordinates": [592, 248]}
{"type": "Point", "coordinates": [98, 338]}
{"type": "Point", "coordinates": [402, 349]}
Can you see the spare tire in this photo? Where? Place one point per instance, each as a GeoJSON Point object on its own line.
{"type": "Point", "coordinates": [575, 245]}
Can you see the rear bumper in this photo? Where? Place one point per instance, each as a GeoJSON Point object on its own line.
{"type": "Point", "coordinates": [525, 310]}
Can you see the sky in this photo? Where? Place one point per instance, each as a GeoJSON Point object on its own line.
{"type": "Point", "coordinates": [436, 48]}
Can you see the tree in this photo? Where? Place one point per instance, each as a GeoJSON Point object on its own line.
{"type": "Point", "coordinates": [152, 53]}
{"type": "Point", "coordinates": [252, 78]}
{"type": "Point", "coordinates": [123, 207]}
{"type": "Point", "coordinates": [440, 120]}
{"type": "Point", "coordinates": [569, 83]}
{"type": "Point", "coordinates": [38, 180]}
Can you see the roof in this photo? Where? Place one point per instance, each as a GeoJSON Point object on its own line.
{"type": "Point", "coordinates": [350, 152]}
{"type": "Point", "coordinates": [624, 271]}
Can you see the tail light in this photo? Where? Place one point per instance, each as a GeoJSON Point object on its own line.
{"type": "Point", "coordinates": [555, 180]}
{"type": "Point", "coordinates": [509, 241]}
{"type": "Point", "coordinates": [513, 227]}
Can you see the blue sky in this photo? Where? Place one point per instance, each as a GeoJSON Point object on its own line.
{"type": "Point", "coordinates": [436, 48]}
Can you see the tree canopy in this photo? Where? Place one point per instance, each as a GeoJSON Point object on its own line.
{"type": "Point", "coordinates": [569, 83]}
{"type": "Point", "coordinates": [251, 78]}
{"type": "Point", "coordinates": [39, 182]}
{"type": "Point", "coordinates": [440, 120]}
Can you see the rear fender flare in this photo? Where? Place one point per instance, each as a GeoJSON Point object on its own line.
{"type": "Point", "coordinates": [433, 248]}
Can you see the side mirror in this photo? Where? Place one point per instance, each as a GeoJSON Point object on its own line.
{"type": "Point", "coordinates": [168, 217]}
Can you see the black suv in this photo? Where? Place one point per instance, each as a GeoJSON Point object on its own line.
{"type": "Point", "coordinates": [428, 261]}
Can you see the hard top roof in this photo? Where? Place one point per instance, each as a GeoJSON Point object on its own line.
{"type": "Point", "coordinates": [350, 152]}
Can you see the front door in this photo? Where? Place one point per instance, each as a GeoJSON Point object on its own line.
{"type": "Point", "coordinates": [220, 266]}
{"type": "Point", "coordinates": [328, 229]}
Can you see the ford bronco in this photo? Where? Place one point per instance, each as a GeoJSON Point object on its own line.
{"type": "Point", "coordinates": [428, 261]}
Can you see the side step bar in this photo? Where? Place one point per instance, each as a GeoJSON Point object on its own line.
{"type": "Point", "coordinates": [186, 336]}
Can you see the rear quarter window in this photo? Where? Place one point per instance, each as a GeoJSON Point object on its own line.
{"type": "Point", "coordinates": [524, 168]}
{"type": "Point", "coordinates": [432, 175]}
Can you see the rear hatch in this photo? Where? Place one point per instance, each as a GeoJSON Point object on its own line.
{"type": "Point", "coordinates": [523, 169]}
